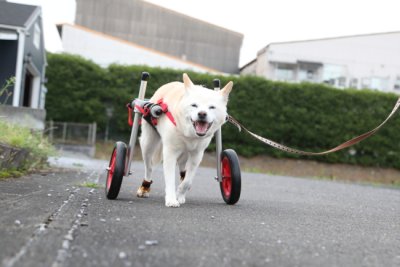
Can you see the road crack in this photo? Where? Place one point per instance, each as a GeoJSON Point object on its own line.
{"type": "Point", "coordinates": [42, 229]}
{"type": "Point", "coordinates": [39, 231]}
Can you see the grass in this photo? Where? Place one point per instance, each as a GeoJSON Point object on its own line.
{"type": "Point", "coordinates": [10, 173]}
{"type": "Point", "coordinates": [396, 184]}
{"type": "Point", "coordinates": [77, 164]}
{"type": "Point", "coordinates": [253, 169]}
{"type": "Point", "coordinates": [38, 146]}
{"type": "Point", "coordinates": [22, 137]}
{"type": "Point", "coordinates": [90, 185]}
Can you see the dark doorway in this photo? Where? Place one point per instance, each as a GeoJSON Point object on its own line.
{"type": "Point", "coordinates": [27, 89]}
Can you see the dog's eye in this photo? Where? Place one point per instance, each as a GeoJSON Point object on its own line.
{"type": "Point", "coordinates": [211, 107]}
{"type": "Point", "coordinates": [194, 105]}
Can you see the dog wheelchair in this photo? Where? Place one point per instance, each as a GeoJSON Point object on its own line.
{"type": "Point", "coordinates": [228, 168]}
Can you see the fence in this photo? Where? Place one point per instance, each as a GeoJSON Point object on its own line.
{"type": "Point", "coordinates": [71, 136]}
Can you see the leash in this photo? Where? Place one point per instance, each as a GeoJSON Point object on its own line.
{"type": "Point", "coordinates": [344, 145]}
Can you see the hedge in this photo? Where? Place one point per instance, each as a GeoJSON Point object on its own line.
{"type": "Point", "coordinates": [306, 116]}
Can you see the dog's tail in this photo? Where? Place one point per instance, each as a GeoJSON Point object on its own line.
{"type": "Point", "coordinates": [158, 155]}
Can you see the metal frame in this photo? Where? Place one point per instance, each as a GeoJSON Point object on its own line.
{"type": "Point", "coordinates": [135, 126]}
{"type": "Point", "coordinates": [218, 138]}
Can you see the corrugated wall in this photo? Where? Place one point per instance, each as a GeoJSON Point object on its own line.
{"type": "Point", "coordinates": [164, 30]}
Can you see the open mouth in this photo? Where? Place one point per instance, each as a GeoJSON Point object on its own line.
{"type": "Point", "coordinates": [201, 127]}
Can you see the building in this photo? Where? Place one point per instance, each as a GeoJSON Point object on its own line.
{"type": "Point", "coordinates": [23, 57]}
{"type": "Point", "coordinates": [108, 49]}
{"type": "Point", "coordinates": [163, 30]}
{"type": "Point", "coordinates": [361, 61]}
{"type": "Point", "coordinates": [22, 54]}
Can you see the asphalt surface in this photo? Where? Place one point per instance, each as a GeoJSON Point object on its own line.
{"type": "Point", "coordinates": [52, 220]}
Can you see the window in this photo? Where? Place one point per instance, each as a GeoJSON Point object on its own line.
{"type": "Point", "coordinates": [310, 74]}
{"type": "Point", "coordinates": [36, 36]}
{"type": "Point", "coordinates": [365, 82]}
{"type": "Point", "coordinates": [397, 83]}
{"type": "Point", "coordinates": [305, 75]}
{"type": "Point", "coordinates": [379, 83]}
{"type": "Point", "coordinates": [308, 71]}
{"type": "Point", "coordinates": [284, 72]}
{"type": "Point", "coordinates": [354, 83]}
{"type": "Point", "coordinates": [333, 72]}
{"type": "Point", "coordinates": [342, 81]}
{"type": "Point", "coordinates": [376, 83]}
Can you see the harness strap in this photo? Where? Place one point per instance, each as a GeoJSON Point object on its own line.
{"type": "Point", "coordinates": [164, 108]}
{"type": "Point", "coordinates": [129, 107]}
{"type": "Point", "coordinates": [145, 110]}
{"type": "Point", "coordinates": [344, 145]}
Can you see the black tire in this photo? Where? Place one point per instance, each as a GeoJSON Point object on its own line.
{"type": "Point", "coordinates": [231, 177]}
{"type": "Point", "coordinates": [116, 169]}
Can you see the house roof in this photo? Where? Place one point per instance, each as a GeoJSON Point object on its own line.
{"type": "Point", "coordinates": [16, 15]}
{"type": "Point", "coordinates": [325, 39]}
{"type": "Point", "coordinates": [248, 64]}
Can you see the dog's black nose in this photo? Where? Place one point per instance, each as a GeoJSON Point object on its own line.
{"type": "Point", "coordinates": [202, 115]}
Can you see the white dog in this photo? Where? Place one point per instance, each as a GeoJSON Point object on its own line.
{"type": "Point", "coordinates": [198, 113]}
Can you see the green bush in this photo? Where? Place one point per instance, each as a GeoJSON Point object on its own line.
{"type": "Point", "coordinates": [77, 89]}
{"type": "Point", "coordinates": [310, 117]}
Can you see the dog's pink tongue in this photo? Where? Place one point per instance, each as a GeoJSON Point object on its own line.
{"type": "Point", "coordinates": [201, 127]}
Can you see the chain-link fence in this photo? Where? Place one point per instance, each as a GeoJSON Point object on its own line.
{"type": "Point", "coordinates": [72, 136]}
{"type": "Point", "coordinates": [71, 133]}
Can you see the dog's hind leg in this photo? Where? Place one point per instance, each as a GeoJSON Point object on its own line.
{"type": "Point", "coordinates": [150, 141]}
{"type": "Point", "coordinates": [192, 164]}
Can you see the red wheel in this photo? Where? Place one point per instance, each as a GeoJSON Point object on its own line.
{"type": "Point", "coordinates": [231, 177]}
{"type": "Point", "coordinates": [116, 170]}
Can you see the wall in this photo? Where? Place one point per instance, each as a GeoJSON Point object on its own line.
{"type": "Point", "coordinates": [250, 68]}
{"type": "Point", "coordinates": [164, 30]}
{"type": "Point", "coordinates": [79, 40]}
{"type": "Point", "coordinates": [28, 117]}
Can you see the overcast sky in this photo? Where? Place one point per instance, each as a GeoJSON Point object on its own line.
{"type": "Point", "coordinates": [261, 21]}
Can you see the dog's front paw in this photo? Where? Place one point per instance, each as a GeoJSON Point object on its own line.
{"type": "Point", "coordinates": [181, 199]}
{"type": "Point", "coordinates": [171, 202]}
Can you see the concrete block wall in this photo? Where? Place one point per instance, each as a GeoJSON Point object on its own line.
{"type": "Point", "coordinates": [27, 117]}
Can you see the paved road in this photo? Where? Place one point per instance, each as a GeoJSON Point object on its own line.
{"type": "Point", "coordinates": [49, 220]}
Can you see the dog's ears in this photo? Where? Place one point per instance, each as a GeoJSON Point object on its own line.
{"type": "Point", "coordinates": [226, 90]}
{"type": "Point", "coordinates": [186, 80]}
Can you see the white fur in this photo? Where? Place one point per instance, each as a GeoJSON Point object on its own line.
{"type": "Point", "coordinates": [181, 145]}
